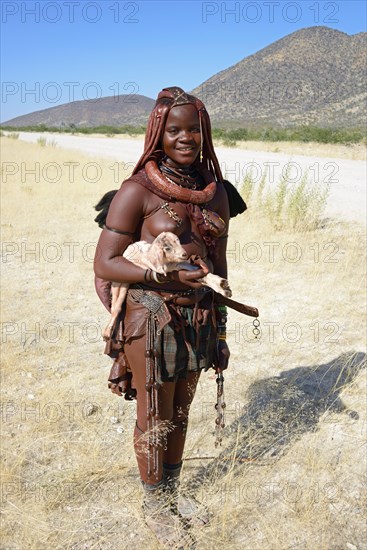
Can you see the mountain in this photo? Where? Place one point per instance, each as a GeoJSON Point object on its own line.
{"type": "Point", "coordinates": [313, 76]}
{"type": "Point", "coordinates": [111, 111]}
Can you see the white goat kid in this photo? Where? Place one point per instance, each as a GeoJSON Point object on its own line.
{"type": "Point", "coordinates": [163, 255]}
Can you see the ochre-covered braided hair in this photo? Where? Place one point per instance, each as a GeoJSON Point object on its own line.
{"type": "Point", "coordinates": [168, 98]}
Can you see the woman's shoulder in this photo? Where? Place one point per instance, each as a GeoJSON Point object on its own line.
{"type": "Point", "coordinates": [135, 196]}
{"type": "Point", "coordinates": [135, 181]}
{"type": "Point", "coordinates": [129, 199]}
{"type": "Point", "coordinates": [133, 188]}
{"type": "Point", "coordinates": [139, 182]}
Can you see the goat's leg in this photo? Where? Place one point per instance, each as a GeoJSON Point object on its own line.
{"type": "Point", "coordinates": [118, 291]}
{"type": "Point", "coordinates": [218, 284]}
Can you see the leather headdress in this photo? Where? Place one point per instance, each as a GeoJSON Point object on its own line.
{"type": "Point", "coordinates": [166, 100]}
{"type": "Point", "coordinates": [177, 96]}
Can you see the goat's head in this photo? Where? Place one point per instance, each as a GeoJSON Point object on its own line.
{"type": "Point", "coordinates": [170, 249]}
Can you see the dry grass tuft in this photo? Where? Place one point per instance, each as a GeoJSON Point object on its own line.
{"type": "Point", "coordinates": [299, 206]}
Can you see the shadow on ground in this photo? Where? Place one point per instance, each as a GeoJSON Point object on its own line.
{"type": "Point", "coordinates": [282, 408]}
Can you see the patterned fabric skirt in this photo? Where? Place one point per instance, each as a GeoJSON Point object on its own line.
{"type": "Point", "coordinates": [188, 348]}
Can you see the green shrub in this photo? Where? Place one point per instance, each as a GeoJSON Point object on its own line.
{"type": "Point", "coordinates": [303, 133]}
{"type": "Point", "coordinates": [227, 142]}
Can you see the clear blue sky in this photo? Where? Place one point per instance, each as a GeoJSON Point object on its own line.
{"type": "Point", "coordinates": [80, 49]}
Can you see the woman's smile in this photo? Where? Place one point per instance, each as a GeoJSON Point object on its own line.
{"type": "Point", "coordinates": [182, 137]}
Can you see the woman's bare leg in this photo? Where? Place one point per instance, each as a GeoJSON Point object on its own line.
{"type": "Point", "coordinates": [174, 403]}
{"type": "Point", "coordinates": [184, 392]}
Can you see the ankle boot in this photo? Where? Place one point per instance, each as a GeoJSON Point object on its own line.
{"type": "Point", "coordinates": [167, 526]}
{"type": "Point", "coordinates": [185, 505]}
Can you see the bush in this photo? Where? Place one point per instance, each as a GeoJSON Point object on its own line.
{"type": "Point", "coordinates": [227, 142]}
{"type": "Point", "coordinates": [73, 128]}
{"type": "Point", "coordinates": [302, 133]}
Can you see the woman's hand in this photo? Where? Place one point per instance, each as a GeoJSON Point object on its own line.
{"type": "Point", "coordinates": [188, 277]}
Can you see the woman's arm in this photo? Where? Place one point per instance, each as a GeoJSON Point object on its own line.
{"type": "Point", "coordinates": [126, 210]}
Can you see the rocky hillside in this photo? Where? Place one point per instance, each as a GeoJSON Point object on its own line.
{"type": "Point", "coordinates": [112, 111]}
{"type": "Point", "coordinates": [313, 76]}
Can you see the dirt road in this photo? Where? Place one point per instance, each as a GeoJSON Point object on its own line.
{"type": "Point", "coordinates": [347, 178]}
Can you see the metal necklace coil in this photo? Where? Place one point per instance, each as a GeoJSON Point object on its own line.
{"type": "Point", "coordinates": [193, 186]}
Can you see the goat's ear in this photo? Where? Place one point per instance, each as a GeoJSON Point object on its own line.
{"type": "Point", "coordinates": [161, 260]}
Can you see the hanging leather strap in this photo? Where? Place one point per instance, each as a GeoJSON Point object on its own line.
{"type": "Point", "coordinates": [241, 308]}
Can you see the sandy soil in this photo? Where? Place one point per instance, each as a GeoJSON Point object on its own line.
{"type": "Point", "coordinates": [290, 474]}
{"type": "Point", "coordinates": [347, 199]}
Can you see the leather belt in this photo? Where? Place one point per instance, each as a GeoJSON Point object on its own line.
{"type": "Point", "coordinates": [178, 297]}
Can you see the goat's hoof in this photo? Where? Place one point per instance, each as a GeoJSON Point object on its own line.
{"type": "Point", "coordinates": [225, 290]}
{"type": "Point", "coordinates": [107, 334]}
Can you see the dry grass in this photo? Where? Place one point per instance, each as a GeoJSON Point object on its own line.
{"type": "Point", "coordinates": [290, 473]}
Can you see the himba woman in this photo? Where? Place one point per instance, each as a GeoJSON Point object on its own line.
{"type": "Point", "coordinates": [170, 328]}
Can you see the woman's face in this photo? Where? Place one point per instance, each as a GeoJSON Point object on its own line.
{"type": "Point", "coordinates": [181, 137]}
